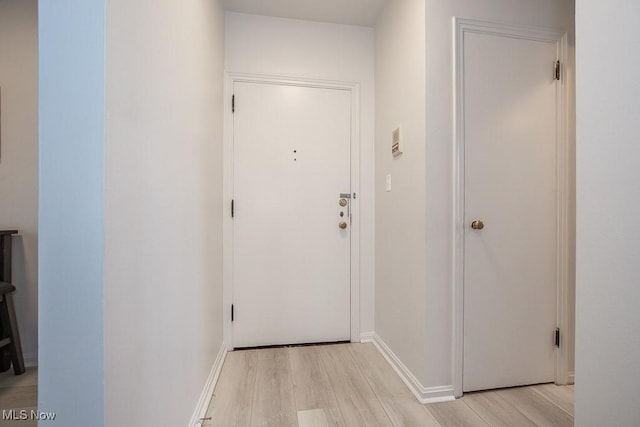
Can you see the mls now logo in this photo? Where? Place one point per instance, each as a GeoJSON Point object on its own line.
{"type": "Point", "coordinates": [23, 415]}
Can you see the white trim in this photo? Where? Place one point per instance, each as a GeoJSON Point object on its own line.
{"type": "Point", "coordinates": [367, 337]}
{"type": "Point", "coordinates": [31, 360]}
{"type": "Point", "coordinates": [422, 393]}
{"type": "Point", "coordinates": [227, 222]}
{"type": "Point", "coordinates": [571, 378]}
{"type": "Point", "coordinates": [207, 392]}
{"type": "Point", "coordinates": [559, 38]}
{"type": "Point", "coordinates": [563, 196]}
{"type": "Point", "coordinates": [354, 89]}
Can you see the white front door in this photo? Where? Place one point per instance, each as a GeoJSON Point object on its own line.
{"type": "Point", "coordinates": [510, 125]}
{"type": "Point", "coordinates": [291, 259]}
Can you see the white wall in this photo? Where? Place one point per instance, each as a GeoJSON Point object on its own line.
{"type": "Point", "coordinates": [277, 46]}
{"type": "Point", "coordinates": [439, 149]}
{"type": "Point", "coordinates": [19, 158]}
{"type": "Point", "coordinates": [414, 240]}
{"type": "Point", "coordinates": [401, 317]}
{"type": "Point", "coordinates": [608, 250]}
{"type": "Point", "coordinates": [163, 211]}
{"type": "Point", "coordinates": [71, 150]}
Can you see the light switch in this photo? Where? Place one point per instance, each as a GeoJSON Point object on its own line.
{"type": "Point", "coordinates": [388, 183]}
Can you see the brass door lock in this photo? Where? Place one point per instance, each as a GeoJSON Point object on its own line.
{"type": "Point", "coordinates": [343, 202]}
{"type": "Point", "coordinates": [342, 225]}
{"type": "Point", "coordinates": [477, 225]}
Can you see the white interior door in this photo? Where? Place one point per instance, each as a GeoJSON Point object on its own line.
{"type": "Point", "coordinates": [291, 260]}
{"type": "Point", "coordinates": [510, 185]}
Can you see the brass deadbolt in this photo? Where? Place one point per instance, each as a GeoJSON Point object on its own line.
{"type": "Point", "coordinates": [343, 202]}
{"type": "Point", "coordinates": [477, 225]}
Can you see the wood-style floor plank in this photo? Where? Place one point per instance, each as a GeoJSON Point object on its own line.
{"type": "Point", "coordinates": [536, 407]}
{"type": "Point", "coordinates": [8, 379]}
{"type": "Point", "coordinates": [399, 404]}
{"type": "Point", "coordinates": [18, 397]}
{"type": "Point", "coordinates": [377, 371]}
{"type": "Point", "coordinates": [561, 396]}
{"type": "Point", "coordinates": [349, 385]}
{"type": "Point", "coordinates": [358, 403]}
{"type": "Point", "coordinates": [313, 418]}
{"type": "Point", "coordinates": [455, 413]}
{"type": "Point", "coordinates": [495, 411]}
{"type": "Point", "coordinates": [320, 417]}
{"type": "Point", "coordinates": [273, 402]}
{"type": "Point", "coordinates": [20, 423]}
{"type": "Point", "coordinates": [233, 395]}
{"type": "Point", "coordinates": [311, 387]}
{"type": "Point", "coordinates": [408, 412]}
{"type": "Point", "coordinates": [19, 392]}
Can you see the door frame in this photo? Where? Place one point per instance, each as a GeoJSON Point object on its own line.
{"type": "Point", "coordinates": [227, 192]}
{"type": "Point", "coordinates": [559, 38]}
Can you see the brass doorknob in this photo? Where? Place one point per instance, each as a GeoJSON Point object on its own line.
{"type": "Point", "coordinates": [477, 225]}
{"type": "Point", "coordinates": [342, 225]}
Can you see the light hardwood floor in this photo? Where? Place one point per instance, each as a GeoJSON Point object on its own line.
{"type": "Point", "coordinates": [18, 392]}
{"type": "Point", "coordinates": [353, 385]}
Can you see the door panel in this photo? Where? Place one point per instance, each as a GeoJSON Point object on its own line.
{"type": "Point", "coordinates": [291, 262]}
{"type": "Point", "coordinates": [510, 184]}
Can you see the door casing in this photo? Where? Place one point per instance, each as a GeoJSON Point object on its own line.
{"type": "Point", "coordinates": [227, 226]}
{"type": "Point", "coordinates": [559, 38]}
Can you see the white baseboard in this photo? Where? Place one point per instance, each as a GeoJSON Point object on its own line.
{"type": "Point", "coordinates": [572, 377]}
{"type": "Point", "coordinates": [207, 392]}
{"type": "Point", "coordinates": [30, 360]}
{"type": "Point", "coordinates": [423, 394]}
{"type": "Point", "coordinates": [367, 336]}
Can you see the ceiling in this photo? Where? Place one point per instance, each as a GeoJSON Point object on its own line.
{"type": "Point", "coordinates": [349, 12]}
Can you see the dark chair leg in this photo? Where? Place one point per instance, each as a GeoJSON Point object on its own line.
{"type": "Point", "coordinates": [5, 352]}
{"type": "Point", "coordinates": [5, 358]}
{"type": "Point", "coordinates": [10, 322]}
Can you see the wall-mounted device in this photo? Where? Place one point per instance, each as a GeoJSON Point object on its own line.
{"type": "Point", "coordinates": [395, 142]}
